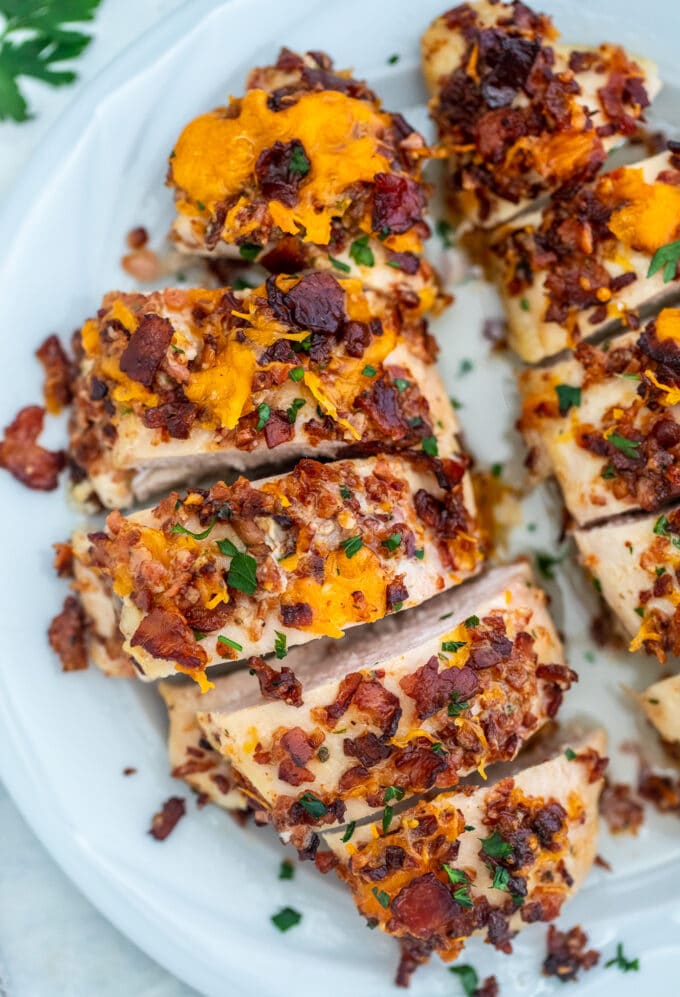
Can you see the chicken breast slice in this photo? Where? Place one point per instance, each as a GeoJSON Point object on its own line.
{"type": "Point", "coordinates": [590, 261]}
{"type": "Point", "coordinates": [634, 562]}
{"type": "Point", "coordinates": [226, 573]}
{"type": "Point", "coordinates": [462, 683]}
{"type": "Point", "coordinates": [324, 179]}
{"type": "Point", "coordinates": [606, 422]}
{"type": "Point", "coordinates": [661, 705]}
{"type": "Point", "coordinates": [182, 383]}
{"type": "Point", "coordinates": [486, 861]}
{"type": "Point", "coordinates": [521, 116]}
{"type": "Point", "coordinates": [191, 757]}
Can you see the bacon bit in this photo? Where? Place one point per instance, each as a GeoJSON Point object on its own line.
{"type": "Point", "coordinates": [395, 594]}
{"type": "Point", "coordinates": [142, 264]}
{"type": "Point", "coordinates": [424, 906]}
{"type": "Point", "coordinates": [165, 821]}
{"type": "Point", "coordinates": [432, 689]}
{"type": "Point", "coordinates": [298, 614]}
{"type": "Point", "coordinates": [177, 417]}
{"type": "Point", "coordinates": [166, 635]}
{"type": "Point", "coordinates": [325, 861]}
{"type": "Point", "coordinates": [602, 863]}
{"type": "Point", "coordinates": [660, 790]}
{"type": "Point", "coordinates": [142, 356]}
{"type": "Point", "coordinates": [67, 636]}
{"type": "Point", "coordinates": [273, 169]}
{"type": "Point", "coordinates": [129, 771]}
{"type": "Point", "coordinates": [566, 955]}
{"type": "Point", "coordinates": [489, 988]}
{"type": "Point", "coordinates": [414, 953]}
{"type": "Point", "coordinates": [275, 684]}
{"type": "Point", "coordinates": [398, 203]}
{"type": "Point", "coordinates": [57, 387]}
{"type": "Point", "coordinates": [621, 810]}
{"type": "Point", "coordinates": [278, 429]}
{"type": "Point", "coordinates": [137, 237]}
{"type": "Point", "coordinates": [63, 559]}
{"type": "Point", "coordinates": [316, 303]}
{"type": "Point", "coordinates": [29, 463]}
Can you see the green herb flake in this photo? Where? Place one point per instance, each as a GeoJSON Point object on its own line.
{"type": "Point", "coordinates": [388, 814]}
{"type": "Point", "coordinates": [457, 706]}
{"type": "Point", "coordinates": [629, 448]}
{"type": "Point", "coordinates": [392, 60]}
{"type": "Point", "coordinates": [286, 918]}
{"type": "Point", "coordinates": [398, 606]}
{"type": "Point", "coordinates": [293, 409]}
{"type": "Point", "coordinates": [469, 980]}
{"type": "Point", "coordinates": [393, 793]}
{"type": "Point", "coordinates": [401, 384]}
{"type": "Point", "coordinates": [569, 754]}
{"type": "Point", "coordinates": [178, 528]}
{"type": "Point", "coordinates": [429, 445]}
{"type": "Point", "coordinates": [286, 869]}
{"type": "Point", "coordinates": [472, 622]}
{"type": "Point", "coordinates": [640, 610]}
{"type": "Point", "coordinates": [619, 960]}
{"type": "Point", "coordinates": [444, 230]}
{"type": "Point", "coordinates": [352, 546]}
{"type": "Point", "coordinates": [455, 404]}
{"type": "Point", "coordinates": [263, 412]}
{"type": "Point", "coordinates": [667, 258]}
{"type": "Point", "coordinates": [280, 645]}
{"type": "Point", "coordinates": [369, 370]}
{"type": "Point", "coordinates": [496, 470]}
{"type": "Point", "coordinates": [361, 252]}
{"type": "Point", "coordinates": [662, 528]}
{"type": "Point", "coordinates": [455, 875]}
{"type": "Point", "coordinates": [453, 645]}
{"type": "Point", "coordinates": [298, 161]}
{"type": "Point", "coordinates": [227, 548]}
{"type": "Point", "coordinates": [242, 574]}
{"type": "Point", "coordinates": [438, 748]}
{"type": "Point", "coordinates": [597, 585]}
{"type": "Point", "coordinates": [345, 493]}
{"type": "Point", "coordinates": [462, 897]}
{"type": "Point", "coordinates": [296, 374]}
{"type": "Point", "coordinates": [465, 366]}
{"type": "Point", "coordinates": [501, 877]}
{"type": "Point", "coordinates": [315, 807]}
{"type": "Point", "coordinates": [608, 472]}
{"type": "Point", "coordinates": [339, 265]}
{"type": "Point", "coordinates": [249, 250]}
{"type": "Point", "coordinates": [349, 831]}
{"type": "Point", "coordinates": [200, 205]}
{"type": "Point", "coordinates": [524, 304]}
{"type": "Point", "coordinates": [230, 643]}
{"type": "Point", "coordinates": [323, 754]}
{"type": "Point", "coordinates": [469, 827]}
{"type": "Point", "coordinates": [392, 542]}
{"type": "Point", "coordinates": [568, 397]}
{"type": "Point", "coordinates": [382, 897]}
{"type": "Point", "coordinates": [420, 553]}
{"type": "Point", "coordinates": [546, 563]}
{"type": "Point", "coordinates": [495, 847]}
{"type": "Point", "coordinates": [199, 635]}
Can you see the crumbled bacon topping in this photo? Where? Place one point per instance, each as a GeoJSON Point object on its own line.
{"type": "Point", "coordinates": [165, 821]}
{"type": "Point", "coordinates": [57, 367]}
{"type": "Point", "coordinates": [24, 458]}
{"type": "Point", "coordinates": [281, 684]}
{"type": "Point", "coordinates": [67, 636]}
{"type": "Point", "coordinates": [147, 346]}
{"type": "Point", "coordinates": [567, 953]}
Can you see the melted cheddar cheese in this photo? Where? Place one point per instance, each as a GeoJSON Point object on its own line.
{"type": "Point", "coordinates": [649, 215]}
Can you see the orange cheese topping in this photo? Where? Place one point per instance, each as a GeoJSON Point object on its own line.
{"type": "Point", "coordinates": [668, 324]}
{"type": "Point", "coordinates": [215, 156]}
{"type": "Point", "coordinates": [650, 214]}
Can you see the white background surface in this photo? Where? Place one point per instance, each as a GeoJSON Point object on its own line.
{"type": "Point", "coordinates": [53, 943]}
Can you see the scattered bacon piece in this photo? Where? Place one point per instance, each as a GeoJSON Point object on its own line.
{"type": "Point", "coordinates": [432, 689]}
{"type": "Point", "coordinates": [424, 906]}
{"type": "Point", "coordinates": [489, 988]}
{"type": "Point", "coordinates": [566, 955]}
{"type": "Point", "coordinates": [165, 635]}
{"type": "Point", "coordinates": [602, 863]}
{"type": "Point", "coordinates": [142, 356]}
{"type": "Point", "coordinates": [621, 810]}
{"type": "Point", "coordinates": [661, 790]}
{"type": "Point", "coordinates": [63, 559]}
{"type": "Point", "coordinates": [414, 953]}
{"type": "Point", "coordinates": [67, 636]}
{"type": "Point", "coordinates": [398, 203]}
{"type": "Point", "coordinates": [142, 264]}
{"type": "Point", "coordinates": [165, 821]}
{"type": "Point", "coordinates": [280, 170]}
{"type": "Point", "coordinates": [137, 237]}
{"type": "Point", "coordinates": [129, 771]}
{"type": "Point", "coordinates": [25, 459]}
{"type": "Point", "coordinates": [57, 388]}
{"type": "Point", "coordinates": [277, 684]}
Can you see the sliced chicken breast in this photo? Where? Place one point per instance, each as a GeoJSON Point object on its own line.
{"type": "Point", "coordinates": [191, 756]}
{"type": "Point", "coordinates": [462, 683]}
{"type": "Point", "coordinates": [226, 573]}
{"type": "Point", "coordinates": [179, 383]}
{"type": "Point", "coordinates": [606, 422]}
{"type": "Point", "coordinates": [635, 562]}
{"type": "Point", "coordinates": [590, 260]}
{"type": "Point", "coordinates": [661, 704]}
{"type": "Point", "coordinates": [322, 178]}
{"type": "Point", "coordinates": [486, 861]}
{"type": "Point", "coordinates": [521, 116]}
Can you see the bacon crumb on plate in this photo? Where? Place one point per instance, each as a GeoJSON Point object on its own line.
{"type": "Point", "coordinates": [567, 953]}
{"type": "Point", "coordinates": [24, 458]}
{"type": "Point", "coordinates": [67, 636]}
{"type": "Point", "coordinates": [165, 821]}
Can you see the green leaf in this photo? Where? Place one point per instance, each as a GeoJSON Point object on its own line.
{"type": "Point", "coordinates": [393, 793]}
{"type": "Point", "coordinates": [227, 548]}
{"type": "Point", "coordinates": [280, 645]}
{"type": "Point", "coordinates": [315, 807]}
{"type": "Point", "coordinates": [457, 705]}
{"type": "Point", "coordinates": [546, 563]}
{"type": "Point", "coordinates": [298, 161]}
{"type": "Point", "coordinates": [178, 528]}
{"type": "Point", "coordinates": [462, 897]}
{"type": "Point", "coordinates": [620, 961]}
{"type": "Point", "coordinates": [345, 493]}
{"type": "Point", "coordinates": [468, 978]}
{"type": "Point", "coordinates": [296, 374]}
{"type": "Point", "coordinates": [401, 384]}
{"type": "Point", "coordinates": [392, 542]}
{"type": "Point", "coordinates": [263, 412]}
{"type": "Point", "coordinates": [382, 897]}
{"type": "Point", "coordinates": [569, 754]}
{"type": "Point", "coordinates": [230, 643]}
{"type": "Point", "coordinates": [429, 445]}
{"type": "Point", "coordinates": [629, 448]}
{"type": "Point", "coordinates": [568, 396]}
{"type": "Point", "coordinates": [501, 877]}
{"type": "Point", "coordinates": [294, 408]}
{"type": "Point", "coordinates": [388, 814]}
{"type": "Point", "coordinates": [662, 528]}
{"type": "Point", "coordinates": [443, 229]}
{"type": "Point", "coordinates": [352, 546]}
{"type": "Point", "coordinates": [242, 573]}
{"type": "Point", "coordinates": [495, 847]}
{"type": "Point", "coordinates": [286, 918]}
{"type": "Point", "coordinates": [666, 258]}
{"type": "Point", "coordinates": [455, 875]}
{"type": "Point", "coordinates": [453, 645]}
{"type": "Point", "coordinates": [472, 622]}
{"type": "Point", "coordinates": [369, 370]}
{"type": "Point", "coordinates": [361, 252]}
{"type": "Point", "coordinates": [249, 251]}
{"type": "Point", "coordinates": [286, 869]}
{"type": "Point", "coordinates": [496, 470]}
{"type": "Point", "coordinates": [339, 265]}
{"type": "Point", "coordinates": [349, 832]}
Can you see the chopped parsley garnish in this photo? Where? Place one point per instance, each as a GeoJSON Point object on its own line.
{"type": "Point", "coordinates": [429, 445]}
{"type": "Point", "coordinates": [608, 472]}
{"type": "Point", "coordinates": [263, 413]}
{"type": "Point", "coordinates": [462, 897]}
{"type": "Point", "coordinates": [339, 265]}
{"type": "Point", "coordinates": [472, 622]}
{"type": "Point", "coordinates": [401, 384]}
{"type": "Point", "coordinates": [524, 304]}
{"type": "Point", "coordinates": [323, 754]}
{"type": "Point", "coordinates": [443, 229]}
{"type": "Point", "coordinates": [382, 897]}
{"type": "Point", "coordinates": [242, 573]}
{"type": "Point", "coordinates": [298, 161]}
{"type": "Point", "coordinates": [199, 635]}
{"type": "Point", "coordinates": [388, 814]}
{"type": "Point", "coordinates": [178, 528]}
{"type": "Point", "coordinates": [296, 374]}
{"type": "Point", "coordinates": [315, 807]}
{"type": "Point", "coordinates": [294, 408]}
{"type": "Point", "coordinates": [230, 643]}
{"type": "Point", "coordinates": [227, 548]}
{"type": "Point", "coordinates": [453, 645]}
{"type": "Point", "coordinates": [420, 553]}
{"type": "Point", "coordinates": [345, 493]}
{"type": "Point", "coordinates": [662, 528]}
{"type": "Point", "coordinates": [496, 470]}
{"type": "Point", "coordinates": [469, 827]}
{"type": "Point", "coordinates": [398, 606]}
{"type": "Point", "coordinates": [392, 542]}
{"type": "Point", "coordinates": [568, 397]}
{"type": "Point", "coordinates": [249, 250]}
{"type": "Point", "coordinates": [501, 878]}
{"type": "Point", "coordinates": [666, 258]}
{"type": "Point", "coordinates": [569, 754]}
{"type": "Point", "coordinates": [201, 206]}
{"type": "Point", "coordinates": [465, 366]}
{"type": "Point", "coordinates": [495, 847]}
{"type": "Point", "coordinates": [640, 610]}
{"type": "Point", "coordinates": [286, 869]}
{"type": "Point", "coordinates": [369, 370]}
{"type": "Point", "coordinates": [361, 252]}
{"type": "Point", "coordinates": [597, 585]}
{"type": "Point", "coordinates": [455, 875]}
{"type": "Point", "coordinates": [240, 284]}
{"type": "Point", "coordinates": [395, 264]}
{"type": "Point", "coordinates": [620, 961]}
{"type": "Point", "coordinates": [352, 546]}
{"type": "Point", "coordinates": [455, 404]}
{"type": "Point", "coordinates": [349, 831]}
{"type": "Point", "coordinates": [438, 748]}
{"type": "Point", "coordinates": [457, 705]}
{"type": "Point", "coordinates": [286, 918]}
{"type": "Point", "coordinates": [280, 645]}
{"type": "Point", "coordinates": [546, 563]}
{"type": "Point", "coordinates": [393, 793]}
{"type": "Point", "coordinates": [629, 448]}
{"type": "Point", "coordinates": [469, 980]}
{"type": "Point", "coordinates": [393, 59]}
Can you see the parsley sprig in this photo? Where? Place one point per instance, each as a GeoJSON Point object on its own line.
{"type": "Point", "coordinates": [667, 258]}
{"type": "Point", "coordinates": [33, 41]}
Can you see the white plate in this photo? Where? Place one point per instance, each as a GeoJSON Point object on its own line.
{"type": "Point", "coordinates": [200, 903]}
